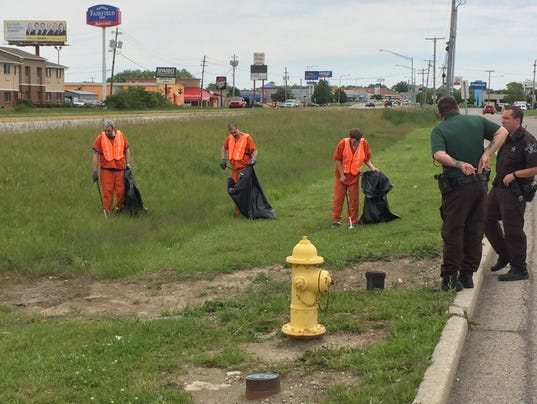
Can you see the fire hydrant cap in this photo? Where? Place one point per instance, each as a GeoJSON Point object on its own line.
{"type": "Point", "coordinates": [305, 253]}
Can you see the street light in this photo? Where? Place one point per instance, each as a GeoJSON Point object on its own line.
{"type": "Point", "coordinates": [412, 84]}
{"type": "Point", "coordinates": [339, 88]}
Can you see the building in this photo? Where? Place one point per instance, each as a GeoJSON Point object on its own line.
{"type": "Point", "coordinates": [27, 76]}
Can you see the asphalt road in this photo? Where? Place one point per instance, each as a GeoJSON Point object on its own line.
{"type": "Point", "coordinates": [499, 358]}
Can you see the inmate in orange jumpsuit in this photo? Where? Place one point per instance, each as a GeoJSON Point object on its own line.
{"type": "Point", "coordinates": [112, 163]}
{"type": "Point", "coordinates": [241, 149]}
{"type": "Point", "coordinates": [351, 160]}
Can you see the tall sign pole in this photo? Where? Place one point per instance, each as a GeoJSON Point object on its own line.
{"type": "Point", "coordinates": [451, 46]}
{"type": "Point", "coordinates": [103, 16]}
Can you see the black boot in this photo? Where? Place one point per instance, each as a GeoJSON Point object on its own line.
{"type": "Point", "coordinates": [452, 282]}
{"type": "Point", "coordinates": [515, 274]}
{"type": "Point", "coordinates": [466, 278]}
{"type": "Point", "coordinates": [500, 264]}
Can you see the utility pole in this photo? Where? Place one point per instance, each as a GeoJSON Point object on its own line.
{"type": "Point", "coordinates": [422, 72]}
{"type": "Point", "coordinates": [451, 46]}
{"type": "Point", "coordinates": [488, 85]}
{"type": "Point", "coordinates": [434, 65]}
{"type": "Point", "coordinates": [285, 78]}
{"type": "Point", "coordinates": [114, 45]}
{"type": "Point", "coordinates": [234, 63]}
{"type": "Point", "coordinates": [427, 82]}
{"type": "Point", "coordinates": [203, 64]}
{"type": "Point", "coordinates": [533, 86]}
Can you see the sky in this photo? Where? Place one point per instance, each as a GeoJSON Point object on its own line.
{"type": "Point", "coordinates": [495, 39]}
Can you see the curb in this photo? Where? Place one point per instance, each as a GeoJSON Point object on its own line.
{"type": "Point", "coordinates": [440, 375]}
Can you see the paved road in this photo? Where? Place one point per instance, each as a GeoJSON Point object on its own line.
{"type": "Point", "coordinates": [499, 358]}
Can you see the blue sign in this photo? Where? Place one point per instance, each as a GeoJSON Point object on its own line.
{"type": "Point", "coordinates": [478, 85]}
{"type": "Point", "coordinates": [316, 75]}
{"type": "Point", "coordinates": [103, 15]}
{"type": "Point", "coordinates": [311, 75]}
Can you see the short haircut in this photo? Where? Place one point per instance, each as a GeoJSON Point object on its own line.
{"type": "Point", "coordinates": [232, 126]}
{"type": "Point", "coordinates": [516, 112]}
{"type": "Point", "coordinates": [447, 105]}
{"type": "Point", "coordinates": [109, 123]}
{"type": "Point", "coordinates": [355, 133]}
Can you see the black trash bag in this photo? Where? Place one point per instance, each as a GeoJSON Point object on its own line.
{"type": "Point", "coordinates": [375, 185]}
{"type": "Point", "coordinates": [249, 197]}
{"type": "Point", "coordinates": [133, 204]}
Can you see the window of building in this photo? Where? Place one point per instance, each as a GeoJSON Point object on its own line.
{"type": "Point", "coordinates": [7, 96]}
{"type": "Point", "coordinates": [27, 72]}
{"type": "Point", "coordinates": [48, 97]}
{"type": "Point", "coordinates": [7, 68]}
{"type": "Point", "coordinates": [59, 97]}
{"type": "Point", "coordinates": [48, 72]}
{"type": "Point", "coordinates": [58, 73]}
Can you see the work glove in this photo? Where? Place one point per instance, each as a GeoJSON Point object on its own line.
{"type": "Point", "coordinates": [95, 176]}
{"type": "Point", "coordinates": [252, 161]}
{"type": "Point", "coordinates": [128, 167]}
{"type": "Point", "coordinates": [223, 164]}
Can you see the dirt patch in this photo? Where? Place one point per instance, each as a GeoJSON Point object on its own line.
{"type": "Point", "coordinates": [148, 297]}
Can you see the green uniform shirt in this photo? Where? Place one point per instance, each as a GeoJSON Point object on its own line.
{"type": "Point", "coordinates": [462, 136]}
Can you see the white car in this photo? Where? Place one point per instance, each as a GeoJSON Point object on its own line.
{"type": "Point", "coordinates": [290, 104]}
{"type": "Point", "coordinates": [520, 104]}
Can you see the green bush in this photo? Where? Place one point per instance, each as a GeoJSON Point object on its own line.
{"type": "Point", "coordinates": [137, 98]}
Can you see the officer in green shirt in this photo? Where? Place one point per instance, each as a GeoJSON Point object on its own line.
{"type": "Point", "coordinates": [457, 143]}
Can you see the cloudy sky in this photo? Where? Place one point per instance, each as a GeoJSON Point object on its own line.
{"type": "Point", "coordinates": [342, 36]}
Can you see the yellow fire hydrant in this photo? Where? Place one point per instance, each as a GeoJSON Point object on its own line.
{"type": "Point", "coordinates": [307, 284]}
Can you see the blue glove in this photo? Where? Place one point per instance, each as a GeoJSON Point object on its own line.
{"type": "Point", "coordinates": [95, 176]}
{"type": "Point", "coordinates": [223, 164]}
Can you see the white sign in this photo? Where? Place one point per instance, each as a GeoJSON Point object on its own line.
{"type": "Point", "coordinates": [259, 58]}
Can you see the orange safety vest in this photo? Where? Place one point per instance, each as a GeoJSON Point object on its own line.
{"type": "Point", "coordinates": [115, 150]}
{"type": "Point", "coordinates": [352, 161]}
{"type": "Point", "coordinates": [238, 147]}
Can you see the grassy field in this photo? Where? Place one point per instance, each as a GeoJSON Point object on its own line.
{"type": "Point", "coordinates": [52, 224]}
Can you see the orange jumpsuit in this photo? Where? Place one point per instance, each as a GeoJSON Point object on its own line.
{"type": "Point", "coordinates": [351, 161]}
{"type": "Point", "coordinates": [239, 154]}
{"type": "Point", "coordinates": [112, 162]}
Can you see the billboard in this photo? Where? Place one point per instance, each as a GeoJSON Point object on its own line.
{"type": "Point", "coordinates": [165, 75]}
{"type": "Point", "coordinates": [258, 72]}
{"type": "Point", "coordinates": [316, 75]}
{"type": "Point", "coordinates": [35, 32]}
{"type": "Point", "coordinates": [103, 15]}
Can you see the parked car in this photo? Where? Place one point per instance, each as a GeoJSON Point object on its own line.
{"type": "Point", "coordinates": [521, 104]}
{"type": "Point", "coordinates": [489, 109]}
{"type": "Point", "coordinates": [388, 103]}
{"type": "Point", "coordinates": [290, 104]}
{"type": "Point", "coordinates": [236, 102]}
{"type": "Point", "coordinates": [312, 104]}
{"type": "Point", "coordinates": [370, 104]}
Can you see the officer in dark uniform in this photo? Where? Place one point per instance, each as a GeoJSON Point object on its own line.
{"type": "Point", "coordinates": [516, 166]}
{"type": "Point", "coordinates": [457, 143]}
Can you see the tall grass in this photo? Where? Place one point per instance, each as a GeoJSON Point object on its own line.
{"type": "Point", "coordinates": [52, 221]}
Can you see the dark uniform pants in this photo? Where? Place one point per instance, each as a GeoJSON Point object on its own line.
{"type": "Point", "coordinates": [509, 242]}
{"type": "Point", "coordinates": [463, 213]}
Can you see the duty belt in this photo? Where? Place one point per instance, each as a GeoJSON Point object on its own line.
{"type": "Point", "coordinates": [468, 179]}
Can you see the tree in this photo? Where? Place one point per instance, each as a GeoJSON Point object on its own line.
{"type": "Point", "coordinates": [137, 98]}
{"type": "Point", "coordinates": [279, 95]}
{"type": "Point", "coordinates": [231, 93]}
{"type": "Point", "coordinates": [514, 92]}
{"type": "Point", "coordinates": [341, 96]}
{"type": "Point", "coordinates": [322, 94]}
{"type": "Point", "coordinates": [401, 87]}
{"type": "Point", "coordinates": [123, 76]}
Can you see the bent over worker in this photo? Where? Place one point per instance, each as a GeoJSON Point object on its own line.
{"type": "Point", "coordinates": [112, 155]}
{"type": "Point", "coordinates": [241, 151]}
{"type": "Point", "coordinates": [351, 153]}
